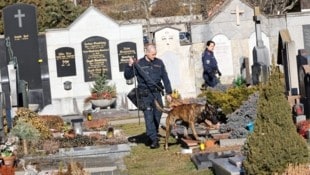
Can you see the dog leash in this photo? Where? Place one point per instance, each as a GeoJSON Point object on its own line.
{"type": "Point", "coordinates": [147, 77]}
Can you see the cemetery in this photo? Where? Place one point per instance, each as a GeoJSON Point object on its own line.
{"type": "Point", "coordinates": [64, 98]}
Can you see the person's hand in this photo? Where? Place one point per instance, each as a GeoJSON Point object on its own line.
{"type": "Point", "coordinates": [169, 98]}
{"type": "Point", "coordinates": [131, 61]}
{"type": "Point", "coordinates": [219, 73]}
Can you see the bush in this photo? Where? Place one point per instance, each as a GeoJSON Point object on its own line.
{"type": "Point", "coordinates": [275, 143]}
{"type": "Point", "coordinates": [229, 100]}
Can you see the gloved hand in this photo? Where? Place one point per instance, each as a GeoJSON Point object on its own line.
{"type": "Point", "coordinates": [219, 73]}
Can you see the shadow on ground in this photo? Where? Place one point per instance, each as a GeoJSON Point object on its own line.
{"type": "Point", "coordinates": [138, 139]}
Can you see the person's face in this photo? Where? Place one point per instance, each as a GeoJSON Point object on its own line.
{"type": "Point", "coordinates": [151, 54]}
{"type": "Point", "coordinates": [211, 47]}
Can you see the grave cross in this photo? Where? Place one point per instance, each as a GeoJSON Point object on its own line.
{"type": "Point", "coordinates": [238, 12]}
{"type": "Point", "coordinates": [19, 15]}
{"type": "Point", "coordinates": [257, 20]}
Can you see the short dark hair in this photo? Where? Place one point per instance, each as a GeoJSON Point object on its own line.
{"type": "Point", "coordinates": [210, 42]}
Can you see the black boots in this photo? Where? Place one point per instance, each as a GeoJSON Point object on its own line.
{"type": "Point", "coordinates": [154, 145]}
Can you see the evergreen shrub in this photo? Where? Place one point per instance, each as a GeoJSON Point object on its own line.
{"type": "Point", "coordinates": [230, 99]}
{"type": "Point", "coordinates": [275, 143]}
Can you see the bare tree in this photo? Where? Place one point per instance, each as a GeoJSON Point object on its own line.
{"type": "Point", "coordinates": [147, 10]}
{"type": "Point", "coordinates": [274, 7]}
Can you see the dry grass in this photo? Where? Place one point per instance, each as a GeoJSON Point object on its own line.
{"type": "Point", "coordinates": [146, 161]}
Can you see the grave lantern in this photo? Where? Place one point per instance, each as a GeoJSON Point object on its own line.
{"type": "Point", "coordinates": [77, 126]}
{"type": "Point", "coordinates": [67, 85]}
{"type": "Point", "coordinates": [298, 108]}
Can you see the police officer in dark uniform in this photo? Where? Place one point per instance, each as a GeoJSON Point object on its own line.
{"type": "Point", "coordinates": [210, 68]}
{"type": "Point", "coordinates": [150, 72]}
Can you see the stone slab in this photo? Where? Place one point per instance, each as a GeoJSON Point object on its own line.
{"type": "Point", "coordinates": [236, 160]}
{"type": "Point", "coordinates": [203, 160]}
{"type": "Point", "coordinates": [218, 136]}
{"type": "Point", "coordinates": [232, 142]}
{"type": "Point", "coordinates": [222, 166]}
{"type": "Point", "coordinates": [108, 150]}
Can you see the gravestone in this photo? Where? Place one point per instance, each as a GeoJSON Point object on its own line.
{"type": "Point", "coordinates": [245, 70]}
{"type": "Point", "coordinates": [306, 36]}
{"type": "Point", "coordinates": [20, 26]}
{"type": "Point", "coordinates": [65, 61]}
{"type": "Point", "coordinates": [303, 62]}
{"type": "Point", "coordinates": [223, 55]}
{"type": "Point", "coordinates": [96, 57]}
{"type": "Point", "coordinates": [176, 60]}
{"type": "Point", "coordinates": [125, 51]}
{"type": "Point", "coordinates": [287, 58]}
{"type": "Point", "coordinates": [261, 60]}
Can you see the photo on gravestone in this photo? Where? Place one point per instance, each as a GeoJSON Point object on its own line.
{"type": "Point", "coordinates": [20, 26]}
{"type": "Point", "coordinates": [96, 58]}
{"type": "Point", "coordinates": [126, 50]}
{"type": "Point", "coordinates": [65, 61]}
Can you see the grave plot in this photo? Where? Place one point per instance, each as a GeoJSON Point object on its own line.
{"type": "Point", "coordinates": [81, 140]}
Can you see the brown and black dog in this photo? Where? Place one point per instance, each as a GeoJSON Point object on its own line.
{"type": "Point", "coordinates": [187, 112]}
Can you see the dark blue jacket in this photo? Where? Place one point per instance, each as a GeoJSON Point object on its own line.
{"type": "Point", "coordinates": [209, 62]}
{"type": "Point", "coordinates": [148, 74]}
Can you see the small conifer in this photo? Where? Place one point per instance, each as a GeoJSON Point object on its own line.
{"type": "Point", "coordinates": [275, 143]}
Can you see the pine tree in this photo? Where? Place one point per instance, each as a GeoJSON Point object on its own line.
{"type": "Point", "coordinates": [275, 143]}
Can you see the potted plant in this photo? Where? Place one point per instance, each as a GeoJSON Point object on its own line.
{"type": "Point", "coordinates": [8, 149]}
{"type": "Point", "coordinates": [103, 94]}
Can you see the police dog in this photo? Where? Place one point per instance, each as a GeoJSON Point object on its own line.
{"type": "Point", "coordinates": [187, 112]}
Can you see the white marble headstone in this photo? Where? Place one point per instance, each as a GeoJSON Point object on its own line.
{"type": "Point", "coordinates": [223, 55]}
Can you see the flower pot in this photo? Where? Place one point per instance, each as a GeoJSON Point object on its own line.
{"type": "Point", "coordinates": [103, 102]}
{"type": "Point", "coordinates": [9, 160]}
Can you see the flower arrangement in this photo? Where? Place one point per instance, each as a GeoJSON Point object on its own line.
{"type": "Point", "coordinates": [101, 89]}
{"type": "Point", "coordinates": [9, 147]}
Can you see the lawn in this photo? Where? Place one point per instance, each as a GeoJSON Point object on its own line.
{"type": "Point", "coordinates": [146, 161]}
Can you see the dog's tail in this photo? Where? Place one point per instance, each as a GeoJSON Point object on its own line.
{"type": "Point", "coordinates": [159, 107]}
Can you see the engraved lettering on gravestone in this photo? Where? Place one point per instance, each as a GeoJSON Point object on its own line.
{"type": "Point", "coordinates": [125, 51]}
{"type": "Point", "coordinates": [19, 15]}
{"type": "Point", "coordinates": [65, 61]}
{"type": "Point", "coordinates": [96, 57]}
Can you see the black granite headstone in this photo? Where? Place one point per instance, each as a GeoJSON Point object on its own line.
{"type": "Point", "coordinates": [65, 61]}
{"type": "Point", "coordinates": [125, 51]}
{"type": "Point", "coordinates": [20, 26]}
{"type": "Point", "coordinates": [96, 57]}
{"type": "Point", "coordinates": [46, 88]}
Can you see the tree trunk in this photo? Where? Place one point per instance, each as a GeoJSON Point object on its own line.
{"type": "Point", "coordinates": [25, 146]}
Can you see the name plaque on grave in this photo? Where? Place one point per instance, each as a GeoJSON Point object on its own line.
{"type": "Point", "coordinates": [65, 61]}
{"type": "Point", "coordinates": [125, 51]}
{"type": "Point", "coordinates": [96, 57]}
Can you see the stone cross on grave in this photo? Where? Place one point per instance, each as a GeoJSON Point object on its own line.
{"type": "Point", "coordinates": [238, 12]}
{"type": "Point", "coordinates": [258, 32]}
{"type": "Point", "coordinates": [19, 15]}
{"type": "Point", "coordinates": [261, 59]}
